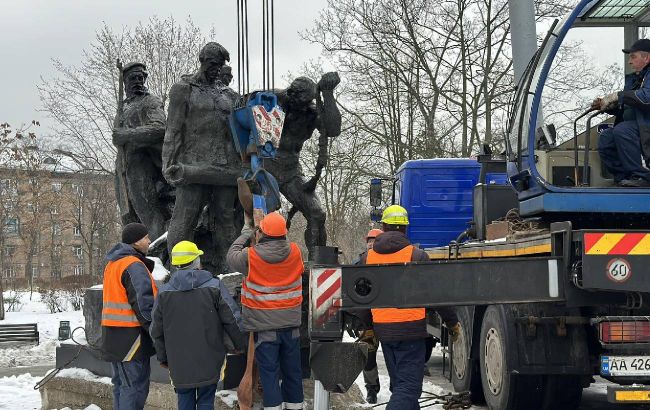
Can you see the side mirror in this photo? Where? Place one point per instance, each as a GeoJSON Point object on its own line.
{"type": "Point", "coordinates": [375, 193]}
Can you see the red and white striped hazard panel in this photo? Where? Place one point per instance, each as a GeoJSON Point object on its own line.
{"type": "Point", "coordinates": [325, 291]}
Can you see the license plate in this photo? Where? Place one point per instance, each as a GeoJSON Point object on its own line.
{"type": "Point", "coordinates": [625, 365]}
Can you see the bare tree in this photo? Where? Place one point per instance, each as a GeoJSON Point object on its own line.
{"type": "Point", "coordinates": [82, 99]}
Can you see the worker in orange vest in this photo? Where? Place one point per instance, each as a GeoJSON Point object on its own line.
{"type": "Point", "coordinates": [129, 292]}
{"type": "Point", "coordinates": [271, 298]}
{"type": "Point", "coordinates": [402, 332]}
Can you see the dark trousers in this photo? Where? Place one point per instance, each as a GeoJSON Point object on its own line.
{"type": "Point", "coordinates": [200, 398]}
{"type": "Point", "coordinates": [620, 151]}
{"type": "Point", "coordinates": [371, 373]}
{"type": "Point", "coordinates": [130, 384]}
{"type": "Point", "coordinates": [405, 364]}
{"type": "Point", "coordinates": [278, 353]}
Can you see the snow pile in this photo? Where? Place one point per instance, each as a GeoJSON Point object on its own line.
{"type": "Point", "coordinates": [228, 397]}
{"type": "Point", "coordinates": [83, 374]}
{"type": "Point", "coordinates": [28, 355]}
{"type": "Point", "coordinates": [18, 392]}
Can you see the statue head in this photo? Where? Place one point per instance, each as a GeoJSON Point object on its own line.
{"type": "Point", "coordinates": [135, 76]}
{"type": "Point", "coordinates": [301, 92]}
{"type": "Point", "coordinates": [212, 57]}
{"type": "Point", "coordinates": [225, 75]}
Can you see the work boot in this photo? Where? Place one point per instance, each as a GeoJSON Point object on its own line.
{"type": "Point", "coordinates": [635, 183]}
{"type": "Point", "coordinates": [371, 398]}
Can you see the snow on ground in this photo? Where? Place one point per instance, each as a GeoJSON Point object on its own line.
{"type": "Point", "coordinates": [17, 392]}
{"type": "Point", "coordinates": [35, 311]}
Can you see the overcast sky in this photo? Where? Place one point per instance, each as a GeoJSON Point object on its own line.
{"type": "Point", "coordinates": [33, 32]}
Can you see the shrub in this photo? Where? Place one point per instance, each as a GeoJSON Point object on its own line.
{"type": "Point", "coordinates": [12, 301]}
{"type": "Point", "coordinates": [54, 299]}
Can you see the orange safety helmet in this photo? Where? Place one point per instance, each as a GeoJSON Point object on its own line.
{"type": "Point", "coordinates": [373, 233]}
{"type": "Point", "coordinates": [274, 225]}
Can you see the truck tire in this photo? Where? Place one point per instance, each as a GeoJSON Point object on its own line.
{"type": "Point", "coordinates": [465, 371]}
{"type": "Point", "coordinates": [502, 389]}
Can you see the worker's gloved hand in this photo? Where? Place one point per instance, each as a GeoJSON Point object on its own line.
{"type": "Point", "coordinates": [609, 101]}
{"type": "Point", "coordinates": [596, 103]}
{"type": "Point", "coordinates": [357, 322]}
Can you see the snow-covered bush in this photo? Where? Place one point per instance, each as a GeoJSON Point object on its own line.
{"type": "Point", "coordinates": [54, 299]}
{"type": "Point", "coordinates": [75, 297]}
{"type": "Point", "coordinates": [12, 301]}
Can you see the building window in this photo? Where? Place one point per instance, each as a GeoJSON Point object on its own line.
{"type": "Point", "coordinates": [56, 228]}
{"type": "Point", "coordinates": [56, 186]}
{"type": "Point", "coordinates": [32, 207]}
{"type": "Point", "coordinates": [78, 251]}
{"type": "Point", "coordinates": [9, 250]}
{"type": "Point", "coordinates": [9, 272]}
{"type": "Point", "coordinates": [78, 270]}
{"type": "Point", "coordinates": [11, 226]}
{"type": "Point", "coordinates": [34, 272]}
{"type": "Point", "coordinates": [56, 273]}
{"type": "Point", "coordinates": [8, 187]}
{"type": "Point", "coordinates": [76, 230]}
{"type": "Point", "coordinates": [77, 189]}
{"type": "Point", "coordinates": [54, 210]}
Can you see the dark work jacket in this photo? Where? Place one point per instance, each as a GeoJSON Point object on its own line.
{"type": "Point", "coordinates": [116, 342]}
{"type": "Point", "coordinates": [636, 96]}
{"type": "Point", "coordinates": [191, 314]}
{"type": "Point", "coordinates": [386, 243]}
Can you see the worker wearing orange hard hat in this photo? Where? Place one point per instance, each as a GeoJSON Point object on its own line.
{"type": "Point", "coordinates": [271, 299]}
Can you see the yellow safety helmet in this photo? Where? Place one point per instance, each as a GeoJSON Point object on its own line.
{"type": "Point", "coordinates": [185, 252]}
{"type": "Point", "coordinates": [395, 215]}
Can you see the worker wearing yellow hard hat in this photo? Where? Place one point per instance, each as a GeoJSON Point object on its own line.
{"type": "Point", "coordinates": [184, 253]}
{"type": "Point", "coordinates": [395, 215]}
{"type": "Point", "coordinates": [191, 315]}
{"type": "Point", "coordinates": [401, 332]}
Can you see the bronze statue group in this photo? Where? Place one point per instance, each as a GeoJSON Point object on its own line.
{"type": "Point", "coordinates": [177, 173]}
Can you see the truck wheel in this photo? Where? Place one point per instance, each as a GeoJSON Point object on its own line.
{"type": "Point", "coordinates": [465, 372]}
{"type": "Point", "coordinates": [501, 388]}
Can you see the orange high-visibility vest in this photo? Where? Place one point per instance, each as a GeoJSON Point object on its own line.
{"type": "Point", "coordinates": [394, 315]}
{"type": "Point", "coordinates": [273, 285]}
{"type": "Point", "coordinates": [117, 312]}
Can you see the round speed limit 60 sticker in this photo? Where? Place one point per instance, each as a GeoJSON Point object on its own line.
{"type": "Point", "coordinates": [618, 270]}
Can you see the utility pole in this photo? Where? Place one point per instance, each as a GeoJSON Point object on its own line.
{"type": "Point", "coordinates": [524, 35]}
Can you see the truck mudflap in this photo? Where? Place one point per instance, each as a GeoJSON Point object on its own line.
{"type": "Point", "coordinates": [337, 365]}
{"type": "Point", "coordinates": [628, 394]}
{"type": "Point", "coordinates": [616, 261]}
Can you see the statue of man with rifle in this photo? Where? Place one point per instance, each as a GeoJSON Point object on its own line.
{"type": "Point", "coordinates": [303, 116]}
{"type": "Point", "coordinates": [138, 133]}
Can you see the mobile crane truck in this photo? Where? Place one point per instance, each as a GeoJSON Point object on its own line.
{"type": "Point", "coordinates": [555, 293]}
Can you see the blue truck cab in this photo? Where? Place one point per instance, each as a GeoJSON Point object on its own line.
{"type": "Point", "coordinates": [439, 197]}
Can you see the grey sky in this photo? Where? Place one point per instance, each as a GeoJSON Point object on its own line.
{"type": "Point", "coordinates": [34, 31]}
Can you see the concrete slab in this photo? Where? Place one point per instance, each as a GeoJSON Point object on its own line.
{"type": "Point", "coordinates": [77, 393]}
